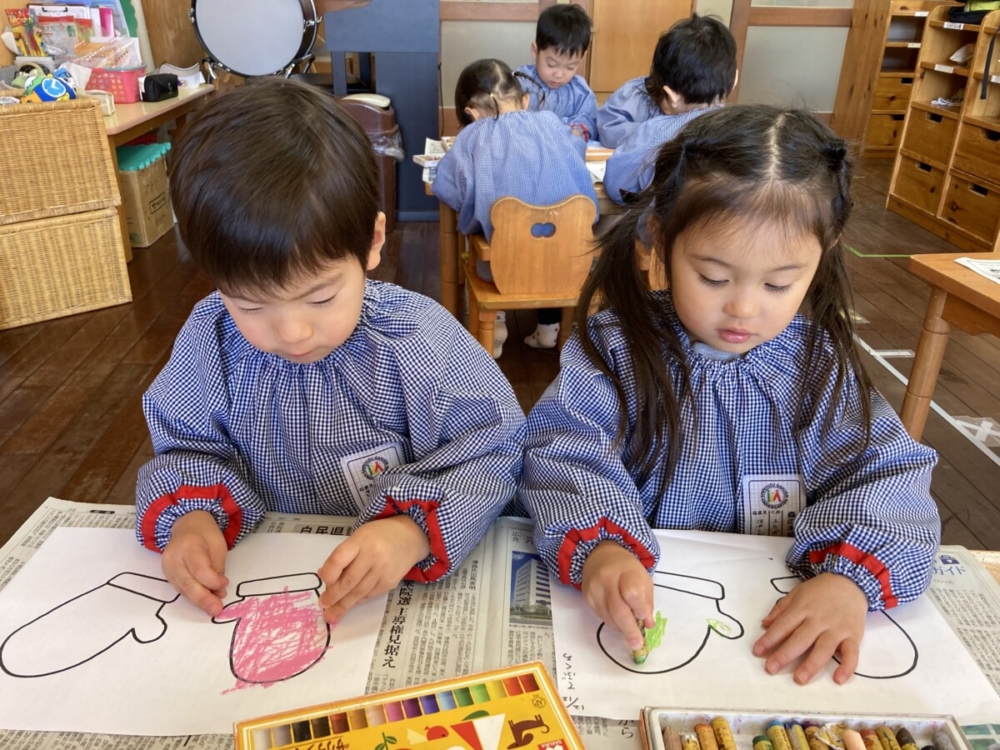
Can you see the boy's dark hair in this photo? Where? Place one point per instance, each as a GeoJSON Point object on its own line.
{"type": "Point", "coordinates": [564, 28]}
{"type": "Point", "coordinates": [696, 57]}
{"type": "Point", "coordinates": [483, 85]}
{"type": "Point", "coordinates": [748, 164]}
{"type": "Point", "coordinates": [272, 181]}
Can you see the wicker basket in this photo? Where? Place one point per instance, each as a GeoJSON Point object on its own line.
{"type": "Point", "coordinates": [55, 161]}
{"type": "Point", "coordinates": [62, 266]}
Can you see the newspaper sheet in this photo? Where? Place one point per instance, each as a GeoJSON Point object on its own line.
{"type": "Point", "coordinates": [493, 611]}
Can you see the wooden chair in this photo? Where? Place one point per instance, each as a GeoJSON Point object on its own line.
{"type": "Point", "coordinates": [530, 271]}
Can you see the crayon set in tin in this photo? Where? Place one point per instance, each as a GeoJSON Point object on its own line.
{"type": "Point", "coordinates": [511, 708]}
{"type": "Point", "coordinates": [677, 729]}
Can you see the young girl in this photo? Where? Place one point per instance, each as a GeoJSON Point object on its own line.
{"type": "Point", "coordinates": [672, 407]}
{"type": "Point", "coordinates": [504, 149]}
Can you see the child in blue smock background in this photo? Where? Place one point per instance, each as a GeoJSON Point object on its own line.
{"type": "Point", "coordinates": [696, 64]}
{"type": "Point", "coordinates": [646, 97]}
{"type": "Point", "coordinates": [562, 37]}
{"type": "Point", "coordinates": [505, 149]}
{"type": "Point", "coordinates": [672, 406]}
{"type": "Point", "coordinates": [299, 386]}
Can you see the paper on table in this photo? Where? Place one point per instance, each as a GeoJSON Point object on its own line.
{"type": "Point", "coordinates": [990, 269]}
{"type": "Point", "coordinates": [714, 590]}
{"type": "Point", "coordinates": [179, 673]}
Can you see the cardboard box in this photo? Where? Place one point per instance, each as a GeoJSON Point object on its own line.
{"type": "Point", "coordinates": [147, 203]}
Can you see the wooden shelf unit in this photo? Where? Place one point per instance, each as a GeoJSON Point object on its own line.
{"type": "Point", "coordinates": [883, 45]}
{"type": "Point", "coordinates": [947, 173]}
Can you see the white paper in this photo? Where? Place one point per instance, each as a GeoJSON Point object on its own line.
{"type": "Point", "coordinates": [989, 269]}
{"type": "Point", "coordinates": [81, 653]}
{"type": "Point", "coordinates": [714, 590]}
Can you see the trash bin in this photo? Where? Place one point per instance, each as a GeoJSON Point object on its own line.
{"type": "Point", "coordinates": [380, 125]}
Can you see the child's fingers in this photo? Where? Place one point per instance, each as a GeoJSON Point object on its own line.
{"type": "Point", "coordinates": [819, 656]}
{"type": "Point", "coordinates": [637, 591]}
{"type": "Point", "coordinates": [776, 610]}
{"type": "Point", "coordinates": [623, 618]}
{"type": "Point", "coordinates": [365, 588]}
{"type": "Point", "coordinates": [791, 648]}
{"type": "Point", "coordinates": [334, 573]}
{"type": "Point", "coordinates": [849, 653]}
{"type": "Point", "coordinates": [187, 583]}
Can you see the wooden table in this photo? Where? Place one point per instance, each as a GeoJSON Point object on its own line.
{"type": "Point", "coordinates": [451, 258]}
{"type": "Point", "coordinates": [959, 297]}
{"type": "Point", "coordinates": [132, 120]}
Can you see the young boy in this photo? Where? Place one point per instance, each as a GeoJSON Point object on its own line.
{"type": "Point", "coordinates": [694, 69]}
{"type": "Point", "coordinates": [694, 63]}
{"type": "Point", "coordinates": [301, 387]}
{"type": "Point", "coordinates": [562, 37]}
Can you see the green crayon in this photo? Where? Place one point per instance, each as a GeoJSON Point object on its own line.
{"type": "Point", "coordinates": [639, 655]}
{"type": "Point", "coordinates": [762, 743]}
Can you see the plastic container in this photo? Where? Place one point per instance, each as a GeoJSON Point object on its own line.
{"type": "Point", "coordinates": [123, 83]}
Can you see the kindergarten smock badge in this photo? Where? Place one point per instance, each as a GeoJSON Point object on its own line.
{"type": "Point", "coordinates": [771, 503]}
{"type": "Point", "coordinates": [362, 469]}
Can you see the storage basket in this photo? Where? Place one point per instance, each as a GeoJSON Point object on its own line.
{"type": "Point", "coordinates": [123, 83]}
{"type": "Point", "coordinates": [63, 266]}
{"type": "Point", "coordinates": [55, 161]}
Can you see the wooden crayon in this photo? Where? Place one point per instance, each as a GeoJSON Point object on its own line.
{"type": "Point", "coordinates": [852, 740]}
{"type": "Point", "coordinates": [762, 743]}
{"type": "Point", "coordinates": [779, 737]}
{"type": "Point", "coordinates": [689, 742]}
{"type": "Point", "coordinates": [871, 739]}
{"type": "Point", "coordinates": [797, 735]}
{"type": "Point", "coordinates": [672, 739]}
{"type": "Point", "coordinates": [887, 737]}
{"type": "Point", "coordinates": [905, 739]}
{"type": "Point", "coordinates": [706, 737]}
{"type": "Point", "coordinates": [639, 655]}
{"type": "Point", "coordinates": [723, 734]}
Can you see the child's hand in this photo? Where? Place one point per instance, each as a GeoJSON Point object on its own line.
{"type": "Point", "coordinates": [577, 132]}
{"type": "Point", "coordinates": [372, 561]}
{"type": "Point", "coordinates": [823, 615]}
{"type": "Point", "coordinates": [194, 560]}
{"type": "Point", "coordinates": [618, 588]}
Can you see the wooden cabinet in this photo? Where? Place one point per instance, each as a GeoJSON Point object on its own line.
{"type": "Point", "coordinates": [625, 35]}
{"type": "Point", "coordinates": [947, 174]}
{"type": "Point", "coordinates": [880, 65]}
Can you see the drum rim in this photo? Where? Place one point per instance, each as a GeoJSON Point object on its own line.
{"type": "Point", "coordinates": [308, 40]}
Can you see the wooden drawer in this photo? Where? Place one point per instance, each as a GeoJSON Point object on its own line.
{"type": "Point", "coordinates": [930, 134]}
{"type": "Point", "coordinates": [978, 152]}
{"type": "Point", "coordinates": [892, 92]}
{"type": "Point", "coordinates": [918, 184]}
{"type": "Point", "coordinates": [883, 131]}
{"type": "Point", "coordinates": [972, 206]}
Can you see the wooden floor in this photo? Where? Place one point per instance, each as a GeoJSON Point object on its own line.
{"type": "Point", "coordinates": [71, 422]}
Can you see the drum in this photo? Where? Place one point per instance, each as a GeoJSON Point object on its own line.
{"type": "Point", "coordinates": [255, 37]}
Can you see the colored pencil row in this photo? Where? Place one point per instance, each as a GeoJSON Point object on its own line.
{"type": "Point", "coordinates": [805, 736]}
{"type": "Point", "coordinates": [376, 714]}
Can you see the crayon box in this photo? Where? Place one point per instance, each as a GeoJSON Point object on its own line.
{"type": "Point", "coordinates": [516, 707]}
{"type": "Point", "coordinates": [746, 727]}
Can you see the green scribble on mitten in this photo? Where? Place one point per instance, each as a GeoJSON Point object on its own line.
{"type": "Point", "coordinates": [655, 634]}
{"type": "Point", "coordinates": [719, 627]}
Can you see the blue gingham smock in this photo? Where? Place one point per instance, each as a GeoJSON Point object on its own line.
{"type": "Point", "coordinates": [869, 517]}
{"type": "Point", "coordinates": [532, 156]}
{"type": "Point", "coordinates": [573, 102]}
{"type": "Point", "coordinates": [624, 110]}
{"type": "Point", "coordinates": [238, 432]}
{"type": "Point", "coordinates": [632, 165]}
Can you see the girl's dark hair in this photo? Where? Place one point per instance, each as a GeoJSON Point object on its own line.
{"type": "Point", "coordinates": [755, 165]}
{"type": "Point", "coordinates": [272, 181]}
{"type": "Point", "coordinates": [483, 85]}
{"type": "Point", "coordinates": [564, 28]}
{"type": "Point", "coordinates": [696, 58]}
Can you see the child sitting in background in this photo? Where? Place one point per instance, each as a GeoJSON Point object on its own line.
{"type": "Point", "coordinates": [504, 149]}
{"type": "Point", "coordinates": [299, 386]}
{"type": "Point", "coordinates": [673, 408]}
{"type": "Point", "coordinates": [697, 63]}
{"type": "Point", "coordinates": [562, 37]}
{"type": "Point", "coordinates": [692, 48]}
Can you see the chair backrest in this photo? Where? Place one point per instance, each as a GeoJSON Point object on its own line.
{"type": "Point", "coordinates": [542, 249]}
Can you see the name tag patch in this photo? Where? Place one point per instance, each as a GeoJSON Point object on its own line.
{"type": "Point", "coordinates": [771, 503]}
{"type": "Point", "coordinates": [363, 468]}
